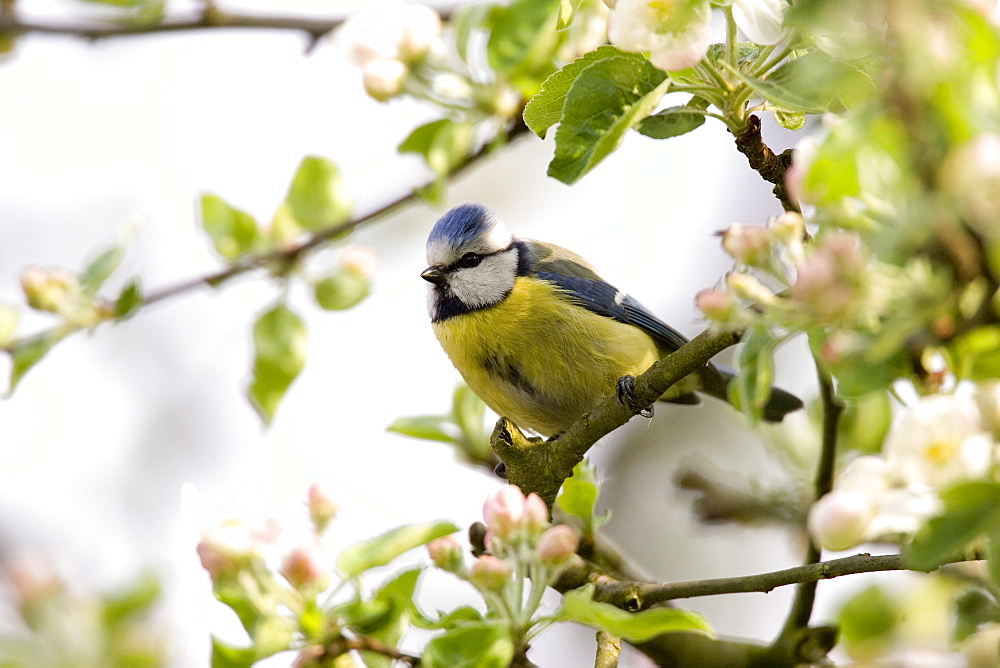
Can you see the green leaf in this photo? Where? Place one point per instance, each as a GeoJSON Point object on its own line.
{"type": "Point", "coordinates": [545, 108]}
{"type": "Point", "coordinates": [977, 353]}
{"type": "Point", "coordinates": [129, 300]}
{"type": "Point", "coordinates": [100, 268]}
{"type": "Point", "coordinates": [970, 510]}
{"type": "Point", "coordinates": [236, 599]}
{"type": "Point", "coordinates": [135, 601]}
{"type": "Point", "coordinates": [428, 427]}
{"type": "Point", "coordinates": [380, 550]}
{"type": "Point", "coordinates": [865, 422]}
{"type": "Point", "coordinates": [812, 84]}
{"type": "Point", "coordinates": [790, 120]}
{"type": "Point", "coordinates": [751, 388]}
{"type": "Point", "coordinates": [867, 620]}
{"type": "Point", "coordinates": [227, 656]}
{"type": "Point", "coordinates": [341, 290]}
{"type": "Point", "coordinates": [385, 616]}
{"type": "Point", "coordinates": [579, 606]}
{"type": "Point", "coordinates": [443, 143]}
{"type": "Point", "coordinates": [567, 10]}
{"type": "Point", "coordinates": [452, 619]}
{"type": "Point", "coordinates": [471, 645]}
{"type": "Point", "coordinates": [280, 342]}
{"type": "Point", "coordinates": [522, 40]}
{"type": "Point", "coordinates": [972, 609]}
{"type": "Point", "coordinates": [27, 353]}
{"type": "Point", "coordinates": [578, 496]}
{"type": "Point", "coordinates": [233, 232]}
{"type": "Point", "coordinates": [671, 122]}
{"type": "Point", "coordinates": [317, 196]}
{"type": "Point", "coordinates": [607, 99]}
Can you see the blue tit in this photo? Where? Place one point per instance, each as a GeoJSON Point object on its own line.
{"type": "Point", "coordinates": [537, 334]}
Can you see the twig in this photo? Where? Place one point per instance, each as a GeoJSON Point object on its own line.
{"type": "Point", "coordinates": [609, 648]}
{"type": "Point", "coordinates": [801, 609]}
{"type": "Point", "coordinates": [763, 160]}
{"type": "Point", "coordinates": [288, 254]}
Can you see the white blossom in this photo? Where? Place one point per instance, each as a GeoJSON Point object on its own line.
{"type": "Point", "coordinates": [383, 77]}
{"type": "Point", "coordinates": [938, 441]}
{"type": "Point", "coordinates": [676, 33]}
{"type": "Point", "coordinates": [760, 20]}
{"type": "Point", "coordinates": [390, 30]}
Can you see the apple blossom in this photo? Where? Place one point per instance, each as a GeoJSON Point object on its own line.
{"type": "Point", "coordinates": [939, 440]}
{"type": "Point", "coordinates": [676, 33]}
{"type": "Point", "coordinates": [321, 508]}
{"type": "Point", "coordinates": [760, 20]}
{"type": "Point", "coordinates": [446, 553]}
{"type": "Point", "coordinates": [303, 567]}
{"type": "Point", "coordinates": [489, 572]}
{"type": "Point", "coordinates": [557, 545]}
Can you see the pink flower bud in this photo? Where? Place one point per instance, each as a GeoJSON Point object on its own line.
{"type": "Point", "coordinates": [536, 514]}
{"type": "Point", "coordinates": [747, 244]}
{"type": "Point", "coordinates": [446, 553]}
{"type": "Point", "coordinates": [489, 572]}
{"type": "Point", "coordinates": [715, 304]}
{"type": "Point", "coordinates": [321, 508]}
{"type": "Point", "coordinates": [303, 567]}
{"type": "Point", "coordinates": [557, 544]}
{"type": "Point", "coordinates": [227, 549]}
{"type": "Point", "coordinates": [508, 513]}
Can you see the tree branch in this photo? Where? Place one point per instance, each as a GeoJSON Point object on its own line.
{"type": "Point", "coordinates": [287, 255]}
{"type": "Point", "coordinates": [540, 466]}
{"type": "Point", "coordinates": [771, 167]}
{"type": "Point", "coordinates": [801, 610]}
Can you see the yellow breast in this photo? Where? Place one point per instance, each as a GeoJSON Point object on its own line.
{"type": "Point", "coordinates": [540, 361]}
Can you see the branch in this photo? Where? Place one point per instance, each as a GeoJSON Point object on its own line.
{"type": "Point", "coordinates": [286, 256]}
{"type": "Point", "coordinates": [801, 610]}
{"type": "Point", "coordinates": [771, 167]}
{"type": "Point", "coordinates": [796, 646]}
{"type": "Point", "coordinates": [209, 18]}
{"type": "Point", "coordinates": [540, 466]}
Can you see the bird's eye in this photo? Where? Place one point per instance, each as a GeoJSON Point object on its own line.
{"type": "Point", "coordinates": [470, 260]}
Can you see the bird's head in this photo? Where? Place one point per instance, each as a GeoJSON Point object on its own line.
{"type": "Point", "coordinates": [473, 261]}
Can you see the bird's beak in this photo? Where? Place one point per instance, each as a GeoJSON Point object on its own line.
{"type": "Point", "coordinates": [433, 275]}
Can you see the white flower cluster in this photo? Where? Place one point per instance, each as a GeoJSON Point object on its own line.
{"type": "Point", "coordinates": [676, 33]}
{"type": "Point", "coordinates": [387, 40]}
{"type": "Point", "coordinates": [940, 440]}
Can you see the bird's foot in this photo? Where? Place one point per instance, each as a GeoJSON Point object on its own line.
{"type": "Point", "coordinates": [625, 389]}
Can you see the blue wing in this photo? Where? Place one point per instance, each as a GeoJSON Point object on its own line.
{"type": "Point", "coordinates": [589, 291]}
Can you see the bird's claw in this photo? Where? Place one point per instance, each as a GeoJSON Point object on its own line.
{"type": "Point", "coordinates": [625, 389]}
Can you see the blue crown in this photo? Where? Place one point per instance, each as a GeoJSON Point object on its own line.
{"type": "Point", "coordinates": [461, 225]}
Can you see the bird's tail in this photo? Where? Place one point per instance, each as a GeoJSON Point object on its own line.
{"type": "Point", "coordinates": [715, 382]}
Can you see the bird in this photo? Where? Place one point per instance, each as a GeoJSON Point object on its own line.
{"type": "Point", "coordinates": [538, 335]}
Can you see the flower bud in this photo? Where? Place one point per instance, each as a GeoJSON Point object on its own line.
{"type": "Point", "coordinates": [557, 545]}
{"type": "Point", "coordinates": [230, 547]}
{"type": "Point", "coordinates": [446, 553]}
{"type": "Point", "coordinates": [383, 77]}
{"type": "Point", "coordinates": [749, 288]}
{"type": "Point", "coordinates": [747, 244]}
{"type": "Point", "coordinates": [421, 32]}
{"type": "Point", "coordinates": [508, 513]}
{"type": "Point", "coordinates": [303, 567]}
{"type": "Point", "coordinates": [48, 289]}
{"type": "Point", "coordinates": [715, 304]}
{"type": "Point", "coordinates": [321, 508]}
{"type": "Point", "coordinates": [489, 572]}
{"type": "Point", "coordinates": [839, 520]}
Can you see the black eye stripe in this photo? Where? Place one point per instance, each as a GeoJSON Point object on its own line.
{"type": "Point", "coordinates": [470, 260]}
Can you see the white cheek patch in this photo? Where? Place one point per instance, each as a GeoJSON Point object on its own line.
{"type": "Point", "coordinates": [486, 284]}
{"type": "Point", "coordinates": [498, 238]}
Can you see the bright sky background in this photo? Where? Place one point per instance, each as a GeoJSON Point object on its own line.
{"type": "Point", "coordinates": [101, 438]}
